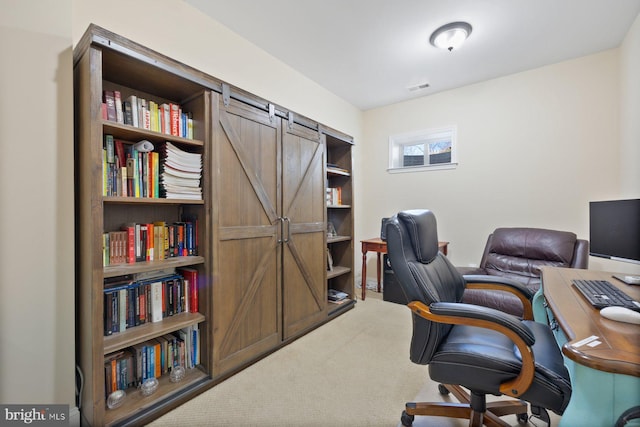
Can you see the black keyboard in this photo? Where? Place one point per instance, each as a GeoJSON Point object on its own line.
{"type": "Point", "coordinates": [601, 293]}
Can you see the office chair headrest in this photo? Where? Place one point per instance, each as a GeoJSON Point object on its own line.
{"type": "Point", "coordinates": [423, 232]}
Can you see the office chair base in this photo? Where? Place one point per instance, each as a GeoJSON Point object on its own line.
{"type": "Point", "coordinates": [484, 413]}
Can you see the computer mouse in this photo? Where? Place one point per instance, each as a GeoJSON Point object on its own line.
{"type": "Point", "coordinates": [632, 280]}
{"type": "Point", "coordinates": [621, 314]}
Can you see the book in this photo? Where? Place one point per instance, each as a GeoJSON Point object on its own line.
{"type": "Point", "coordinates": [109, 146]}
{"type": "Point", "coordinates": [118, 106]}
{"type": "Point", "coordinates": [123, 188]}
{"type": "Point", "coordinates": [150, 256]}
{"type": "Point", "coordinates": [158, 239]}
{"type": "Point", "coordinates": [128, 114]}
{"type": "Point", "coordinates": [165, 110]}
{"type": "Point", "coordinates": [133, 101]}
{"type": "Point", "coordinates": [156, 301]}
{"type": "Point", "coordinates": [196, 345]}
{"type": "Point", "coordinates": [190, 275]}
{"type": "Point", "coordinates": [122, 309]}
{"type": "Point", "coordinates": [175, 119]}
{"type": "Point", "coordinates": [335, 295]}
{"type": "Point", "coordinates": [155, 165]}
{"type": "Point", "coordinates": [110, 101]}
{"type": "Point", "coordinates": [119, 150]}
{"type": "Point", "coordinates": [153, 115]}
{"type": "Point", "coordinates": [146, 115]}
{"type": "Point", "coordinates": [108, 314]}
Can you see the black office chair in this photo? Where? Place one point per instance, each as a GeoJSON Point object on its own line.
{"type": "Point", "coordinates": [469, 347]}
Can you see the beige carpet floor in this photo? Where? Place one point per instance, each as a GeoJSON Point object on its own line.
{"type": "Point", "coordinates": [353, 371]}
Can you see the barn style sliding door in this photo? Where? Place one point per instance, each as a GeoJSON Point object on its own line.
{"type": "Point", "coordinates": [268, 232]}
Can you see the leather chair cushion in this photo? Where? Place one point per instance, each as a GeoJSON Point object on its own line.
{"type": "Point", "coordinates": [423, 232]}
{"type": "Point", "coordinates": [480, 359]}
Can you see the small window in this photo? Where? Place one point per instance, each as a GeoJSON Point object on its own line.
{"type": "Point", "coordinates": [423, 150]}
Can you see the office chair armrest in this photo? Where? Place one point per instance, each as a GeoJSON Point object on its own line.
{"type": "Point", "coordinates": [470, 311]}
{"type": "Point", "coordinates": [497, 283]}
{"type": "Point", "coordinates": [488, 318]}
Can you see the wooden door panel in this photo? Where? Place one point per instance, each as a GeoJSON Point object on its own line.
{"type": "Point", "coordinates": [247, 231]}
{"type": "Point", "coordinates": [246, 322]}
{"type": "Point", "coordinates": [304, 294]}
{"type": "Point", "coordinates": [249, 184]}
{"type": "Point", "coordinates": [304, 256]}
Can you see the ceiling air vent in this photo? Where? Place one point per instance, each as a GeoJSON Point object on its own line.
{"type": "Point", "coordinates": [418, 87]}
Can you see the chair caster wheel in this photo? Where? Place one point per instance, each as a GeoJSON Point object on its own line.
{"type": "Point", "coordinates": [523, 418]}
{"type": "Point", "coordinates": [406, 419]}
{"type": "Point", "coordinates": [443, 390]}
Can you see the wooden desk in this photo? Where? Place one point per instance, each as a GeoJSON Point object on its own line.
{"type": "Point", "coordinates": [380, 247]}
{"type": "Point", "coordinates": [605, 377]}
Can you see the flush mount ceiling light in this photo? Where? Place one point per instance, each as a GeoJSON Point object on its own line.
{"type": "Point", "coordinates": [450, 36]}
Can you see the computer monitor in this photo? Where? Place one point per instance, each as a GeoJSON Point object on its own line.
{"type": "Point", "coordinates": [614, 230]}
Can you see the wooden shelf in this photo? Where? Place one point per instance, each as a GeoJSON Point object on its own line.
{"type": "Point", "coordinates": [335, 309]}
{"type": "Point", "coordinates": [135, 134]}
{"type": "Point", "coordinates": [135, 402]}
{"type": "Point", "coordinates": [334, 171]}
{"type": "Point", "coordinates": [148, 331]}
{"type": "Point", "coordinates": [336, 239]}
{"type": "Point", "coordinates": [337, 271]}
{"type": "Point", "coordinates": [143, 267]}
{"type": "Point", "coordinates": [150, 201]}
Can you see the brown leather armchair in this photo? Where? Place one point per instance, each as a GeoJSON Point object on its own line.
{"type": "Point", "coordinates": [518, 254]}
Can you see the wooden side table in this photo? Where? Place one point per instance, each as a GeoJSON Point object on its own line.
{"type": "Point", "coordinates": [380, 247]}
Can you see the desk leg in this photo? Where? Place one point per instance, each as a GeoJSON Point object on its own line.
{"type": "Point", "coordinates": [364, 273]}
{"type": "Point", "coordinates": [378, 271]}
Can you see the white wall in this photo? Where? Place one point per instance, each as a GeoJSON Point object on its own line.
{"type": "Point", "coordinates": [37, 359]}
{"type": "Point", "coordinates": [534, 148]}
{"type": "Point", "coordinates": [630, 112]}
{"type": "Point", "coordinates": [183, 33]}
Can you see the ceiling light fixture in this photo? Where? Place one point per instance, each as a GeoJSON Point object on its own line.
{"type": "Point", "coordinates": [450, 36]}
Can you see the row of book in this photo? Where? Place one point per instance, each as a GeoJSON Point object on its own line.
{"type": "Point", "coordinates": [129, 302]}
{"type": "Point", "coordinates": [151, 359]}
{"type": "Point", "coordinates": [332, 167]}
{"type": "Point", "coordinates": [167, 118]}
{"type": "Point", "coordinates": [140, 242]}
{"type": "Point", "coordinates": [337, 297]}
{"type": "Point", "coordinates": [334, 196]}
{"type": "Point", "coordinates": [169, 172]}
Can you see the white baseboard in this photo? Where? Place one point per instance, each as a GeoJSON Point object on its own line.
{"type": "Point", "coordinates": [74, 417]}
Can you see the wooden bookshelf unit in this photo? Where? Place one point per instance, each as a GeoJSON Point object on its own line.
{"type": "Point", "coordinates": [106, 62]}
{"type": "Point", "coordinates": [252, 229]}
{"type": "Point", "coordinates": [340, 215]}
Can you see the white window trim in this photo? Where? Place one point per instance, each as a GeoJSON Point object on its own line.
{"type": "Point", "coordinates": [396, 142]}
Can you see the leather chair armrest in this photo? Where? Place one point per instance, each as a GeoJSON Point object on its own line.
{"type": "Point", "coordinates": [498, 283]}
{"type": "Point", "coordinates": [471, 270]}
{"type": "Point", "coordinates": [581, 254]}
{"type": "Point", "coordinates": [488, 318]}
